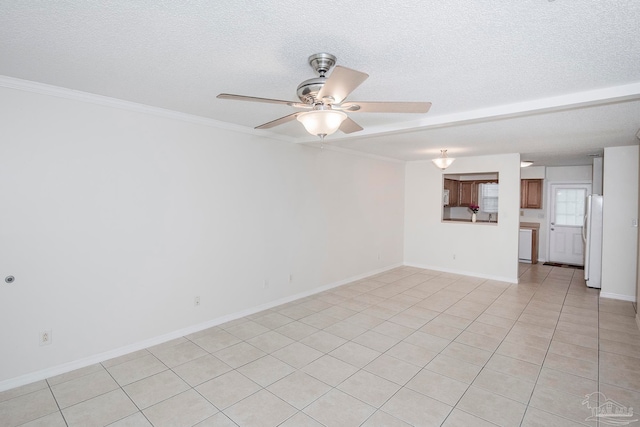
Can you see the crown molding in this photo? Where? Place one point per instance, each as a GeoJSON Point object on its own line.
{"type": "Point", "coordinates": [76, 95]}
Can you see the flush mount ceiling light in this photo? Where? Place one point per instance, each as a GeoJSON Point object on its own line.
{"type": "Point", "coordinates": [525, 163]}
{"type": "Point", "coordinates": [322, 122]}
{"type": "Point", "coordinates": [443, 161]}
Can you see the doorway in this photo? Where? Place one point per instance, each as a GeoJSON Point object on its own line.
{"type": "Point", "coordinates": [566, 219]}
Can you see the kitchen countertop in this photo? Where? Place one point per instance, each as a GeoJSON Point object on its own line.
{"type": "Point", "coordinates": [532, 225]}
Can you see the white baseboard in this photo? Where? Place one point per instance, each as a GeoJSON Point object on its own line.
{"type": "Point", "coordinates": [121, 351]}
{"type": "Point", "coordinates": [610, 295]}
{"type": "Point", "coordinates": [466, 273]}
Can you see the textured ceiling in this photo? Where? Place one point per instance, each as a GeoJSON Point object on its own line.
{"type": "Point", "coordinates": [554, 80]}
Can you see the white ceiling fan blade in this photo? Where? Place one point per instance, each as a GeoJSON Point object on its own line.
{"type": "Point", "coordinates": [279, 121]}
{"type": "Point", "coordinates": [253, 99]}
{"type": "Point", "coordinates": [341, 83]}
{"type": "Point", "coordinates": [349, 126]}
{"type": "Point", "coordinates": [386, 107]}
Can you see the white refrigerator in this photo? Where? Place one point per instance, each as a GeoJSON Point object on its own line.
{"type": "Point", "coordinates": [592, 236]}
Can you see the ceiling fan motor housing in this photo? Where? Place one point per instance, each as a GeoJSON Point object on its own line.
{"type": "Point", "coordinates": [308, 89]}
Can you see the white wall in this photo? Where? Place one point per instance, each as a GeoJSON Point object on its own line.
{"type": "Point", "coordinates": [485, 250]}
{"type": "Point", "coordinates": [113, 220]}
{"type": "Point", "coordinates": [619, 236]}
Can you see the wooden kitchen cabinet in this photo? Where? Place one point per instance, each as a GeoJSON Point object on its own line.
{"type": "Point", "coordinates": [468, 193]}
{"type": "Point", "coordinates": [453, 187]}
{"type": "Point", "coordinates": [531, 193]}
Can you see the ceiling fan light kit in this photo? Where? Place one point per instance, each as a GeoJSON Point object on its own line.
{"type": "Point", "coordinates": [322, 122]}
{"type": "Point", "coordinates": [325, 98]}
{"type": "Point", "coordinates": [443, 161]}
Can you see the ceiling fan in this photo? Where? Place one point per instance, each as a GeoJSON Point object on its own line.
{"type": "Point", "coordinates": [325, 99]}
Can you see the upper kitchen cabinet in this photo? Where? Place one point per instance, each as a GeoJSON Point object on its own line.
{"type": "Point", "coordinates": [531, 193]}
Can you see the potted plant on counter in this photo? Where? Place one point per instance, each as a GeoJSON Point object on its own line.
{"type": "Point", "coordinates": [474, 209]}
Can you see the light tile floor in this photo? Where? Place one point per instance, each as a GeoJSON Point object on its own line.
{"type": "Point", "coordinates": [408, 347]}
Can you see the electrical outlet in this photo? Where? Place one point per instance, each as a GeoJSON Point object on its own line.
{"type": "Point", "coordinates": [45, 337]}
{"type": "Point", "coordinates": [196, 301]}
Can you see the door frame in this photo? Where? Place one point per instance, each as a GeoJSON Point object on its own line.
{"type": "Point", "coordinates": [548, 200]}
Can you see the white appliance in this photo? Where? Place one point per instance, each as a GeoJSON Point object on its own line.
{"type": "Point", "coordinates": [592, 236]}
{"type": "Point", "coordinates": [524, 247]}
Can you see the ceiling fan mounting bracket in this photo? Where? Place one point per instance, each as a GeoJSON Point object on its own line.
{"type": "Point", "coordinates": [322, 62]}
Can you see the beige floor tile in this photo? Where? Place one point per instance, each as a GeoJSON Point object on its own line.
{"type": "Point", "coordinates": [505, 385]}
{"type": "Point", "coordinates": [392, 369]}
{"type": "Point", "coordinates": [338, 312]}
{"type": "Point", "coordinates": [296, 330]}
{"type": "Point", "coordinates": [185, 409]}
{"type": "Point", "coordinates": [439, 387]}
{"type": "Point", "coordinates": [620, 377]}
{"type": "Point", "coordinates": [621, 361]}
{"type": "Point", "coordinates": [270, 341]}
{"type": "Point", "coordinates": [575, 351]}
{"type": "Point", "coordinates": [522, 352]}
{"type": "Point", "coordinates": [266, 370]}
{"type": "Point", "coordinates": [492, 407]}
{"type": "Point", "coordinates": [427, 341]}
{"type": "Point", "coordinates": [75, 374]}
{"type": "Point", "coordinates": [22, 390]}
{"type": "Point", "coordinates": [134, 420]}
{"type": "Point", "coordinates": [490, 319]}
{"type": "Point", "coordinates": [514, 367]}
{"type": "Point", "coordinates": [393, 330]}
{"type": "Point", "coordinates": [626, 349]}
{"type": "Point", "coordinates": [572, 365]}
{"type": "Point", "coordinates": [560, 403]}
{"type": "Point", "coordinates": [323, 341]}
{"type": "Point", "coordinates": [273, 320]}
{"type": "Point", "coordinates": [537, 418]}
{"type": "Point", "coordinates": [573, 384]}
{"type": "Point", "coordinates": [136, 369]}
{"type": "Point", "coordinates": [202, 369]}
{"type": "Point", "coordinates": [216, 341]}
{"type": "Point", "coordinates": [479, 341]}
{"type": "Point", "coordinates": [454, 368]}
{"type": "Point", "coordinates": [364, 320]}
{"type": "Point", "coordinates": [413, 354]}
{"type": "Point", "coordinates": [376, 341]}
{"type": "Point", "coordinates": [51, 420]}
{"type": "Point", "coordinates": [297, 355]}
{"type": "Point", "coordinates": [319, 320]}
{"type": "Point", "coordinates": [299, 389]}
{"type": "Point", "coordinates": [576, 339]}
{"type": "Point", "coordinates": [382, 419]}
{"type": "Point", "coordinates": [459, 418]}
{"type": "Point", "coordinates": [239, 354]}
{"type": "Point", "coordinates": [442, 331]}
{"type": "Point", "coordinates": [301, 420]}
{"type": "Point", "coordinates": [218, 420]}
{"type": "Point", "coordinates": [345, 330]}
{"type": "Point", "coordinates": [227, 389]}
{"type": "Point", "coordinates": [574, 328]}
{"type": "Point", "coordinates": [125, 358]}
{"type": "Point", "coordinates": [523, 338]}
{"type": "Point", "coordinates": [467, 353]}
{"type": "Point", "coordinates": [179, 354]}
{"type": "Point", "coordinates": [496, 332]}
{"type": "Point", "coordinates": [100, 411]}
{"type": "Point", "coordinates": [27, 407]}
{"type": "Point", "coordinates": [626, 398]}
{"type": "Point", "coordinates": [355, 354]}
{"type": "Point", "coordinates": [535, 330]}
{"type": "Point", "coordinates": [417, 409]}
{"type": "Point", "coordinates": [369, 388]}
{"type": "Point", "coordinates": [295, 312]}
{"type": "Point", "coordinates": [261, 409]}
{"type": "Point", "coordinates": [330, 370]}
{"type": "Point", "coordinates": [453, 321]}
{"type": "Point", "coordinates": [156, 388]}
{"type": "Point", "coordinates": [83, 388]}
{"type": "Point", "coordinates": [338, 409]}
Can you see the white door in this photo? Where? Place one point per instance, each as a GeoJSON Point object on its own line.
{"type": "Point", "coordinates": [566, 219]}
